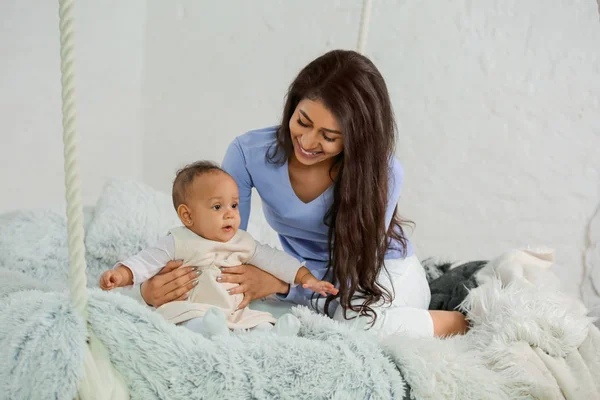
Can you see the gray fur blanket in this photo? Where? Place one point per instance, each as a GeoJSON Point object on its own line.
{"type": "Point", "coordinates": [528, 340]}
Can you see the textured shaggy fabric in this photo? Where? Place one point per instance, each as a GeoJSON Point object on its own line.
{"type": "Point", "coordinates": [497, 359]}
{"type": "Point", "coordinates": [42, 341]}
{"type": "Point", "coordinates": [34, 242]}
{"type": "Point", "coordinates": [527, 339]}
{"type": "Point", "coordinates": [161, 361]}
{"type": "Point", "coordinates": [129, 216]}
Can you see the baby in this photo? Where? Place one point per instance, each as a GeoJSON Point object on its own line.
{"type": "Point", "coordinates": [206, 200]}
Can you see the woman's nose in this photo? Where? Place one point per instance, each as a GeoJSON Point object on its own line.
{"type": "Point", "coordinates": [310, 140]}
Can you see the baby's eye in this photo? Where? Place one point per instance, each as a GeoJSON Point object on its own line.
{"type": "Point", "coordinates": [217, 207]}
{"type": "Point", "coordinates": [234, 205]}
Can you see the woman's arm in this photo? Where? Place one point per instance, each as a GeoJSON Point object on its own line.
{"type": "Point", "coordinates": [234, 163]}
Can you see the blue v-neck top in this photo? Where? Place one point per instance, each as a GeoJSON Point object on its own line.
{"type": "Point", "coordinates": [299, 225]}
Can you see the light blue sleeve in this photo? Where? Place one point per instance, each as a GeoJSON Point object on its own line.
{"type": "Point", "coordinates": [234, 163]}
{"type": "Point", "coordinates": [395, 180]}
{"type": "Point", "coordinates": [296, 295]}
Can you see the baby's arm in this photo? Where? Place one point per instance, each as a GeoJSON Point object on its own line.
{"type": "Point", "coordinates": [308, 281]}
{"type": "Point", "coordinates": [287, 268]}
{"type": "Point", "coordinates": [143, 265]}
{"type": "Point", "coordinates": [276, 262]}
{"type": "Point", "coordinates": [116, 277]}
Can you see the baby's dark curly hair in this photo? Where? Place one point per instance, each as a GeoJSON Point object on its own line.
{"type": "Point", "coordinates": [185, 177]}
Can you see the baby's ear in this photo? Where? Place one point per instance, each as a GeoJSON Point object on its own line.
{"type": "Point", "coordinates": [184, 215]}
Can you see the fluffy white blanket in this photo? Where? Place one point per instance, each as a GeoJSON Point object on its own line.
{"type": "Point", "coordinates": [528, 339]}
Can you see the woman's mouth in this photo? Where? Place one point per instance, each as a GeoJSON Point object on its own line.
{"type": "Point", "coordinates": [306, 153]}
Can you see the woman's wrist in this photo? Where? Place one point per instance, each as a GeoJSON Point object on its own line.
{"type": "Point", "coordinates": [142, 294]}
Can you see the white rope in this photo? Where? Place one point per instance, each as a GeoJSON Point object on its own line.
{"type": "Point", "coordinates": [363, 32]}
{"type": "Point", "coordinates": [100, 380]}
{"type": "Point", "coordinates": [77, 266]}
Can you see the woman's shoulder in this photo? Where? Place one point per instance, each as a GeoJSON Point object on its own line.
{"type": "Point", "coordinates": [396, 175]}
{"type": "Point", "coordinates": [250, 150]}
{"type": "Point", "coordinates": [257, 139]}
{"type": "Point", "coordinates": [396, 168]}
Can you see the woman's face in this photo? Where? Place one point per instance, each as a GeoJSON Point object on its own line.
{"type": "Point", "coordinates": [315, 132]}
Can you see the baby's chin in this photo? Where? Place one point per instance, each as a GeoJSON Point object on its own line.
{"type": "Point", "coordinates": [226, 236]}
{"type": "Point", "coordinates": [223, 235]}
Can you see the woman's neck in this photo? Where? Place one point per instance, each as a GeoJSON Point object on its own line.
{"type": "Point", "coordinates": [311, 181]}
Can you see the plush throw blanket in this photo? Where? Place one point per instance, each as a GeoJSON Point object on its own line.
{"type": "Point", "coordinates": [528, 340]}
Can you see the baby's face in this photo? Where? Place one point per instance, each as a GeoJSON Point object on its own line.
{"type": "Point", "coordinates": [213, 203]}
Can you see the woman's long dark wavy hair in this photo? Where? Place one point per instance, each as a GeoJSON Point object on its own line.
{"type": "Point", "coordinates": [352, 88]}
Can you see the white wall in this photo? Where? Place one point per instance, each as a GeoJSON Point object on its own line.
{"type": "Point", "coordinates": [497, 102]}
{"type": "Point", "coordinates": [214, 71]}
{"type": "Point", "coordinates": [109, 45]}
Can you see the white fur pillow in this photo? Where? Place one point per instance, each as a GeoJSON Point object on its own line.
{"type": "Point", "coordinates": [34, 242]}
{"type": "Point", "coordinates": [129, 216]}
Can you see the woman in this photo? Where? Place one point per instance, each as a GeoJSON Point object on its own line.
{"type": "Point", "coordinates": [329, 185]}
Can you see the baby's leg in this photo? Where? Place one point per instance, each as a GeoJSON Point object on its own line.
{"type": "Point", "coordinates": [212, 324]}
{"type": "Point", "coordinates": [287, 325]}
{"type": "Point", "coordinates": [195, 325]}
{"type": "Point", "coordinates": [263, 327]}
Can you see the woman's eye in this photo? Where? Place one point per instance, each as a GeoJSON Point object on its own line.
{"type": "Point", "coordinates": [328, 138]}
{"type": "Point", "coordinates": [302, 123]}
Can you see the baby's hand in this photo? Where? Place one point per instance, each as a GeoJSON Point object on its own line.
{"type": "Point", "coordinates": [321, 287]}
{"type": "Point", "coordinates": [110, 280]}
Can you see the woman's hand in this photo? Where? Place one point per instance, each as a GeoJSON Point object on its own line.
{"type": "Point", "coordinates": [253, 282]}
{"type": "Point", "coordinates": [171, 283]}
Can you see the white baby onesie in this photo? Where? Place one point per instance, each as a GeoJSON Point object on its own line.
{"type": "Point", "coordinates": [208, 256]}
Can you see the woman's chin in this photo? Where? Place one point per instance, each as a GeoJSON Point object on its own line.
{"type": "Point", "coordinates": [308, 160]}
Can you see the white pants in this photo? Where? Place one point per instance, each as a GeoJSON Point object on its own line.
{"type": "Point", "coordinates": [408, 311]}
